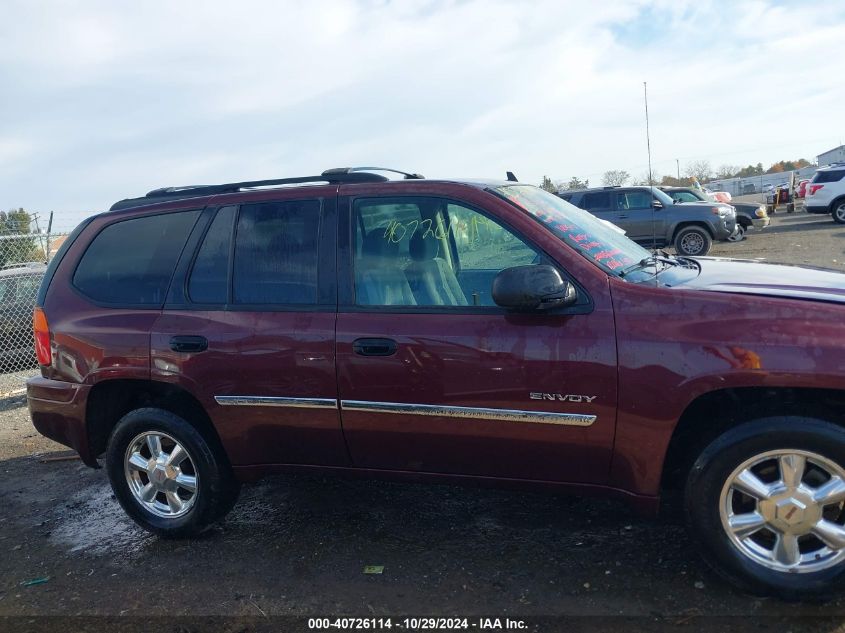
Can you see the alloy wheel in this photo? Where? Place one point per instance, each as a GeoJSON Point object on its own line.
{"type": "Point", "coordinates": [784, 510]}
{"type": "Point", "coordinates": [161, 474]}
{"type": "Point", "coordinates": [692, 243]}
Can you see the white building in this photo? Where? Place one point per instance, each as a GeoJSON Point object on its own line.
{"type": "Point", "coordinates": [835, 155]}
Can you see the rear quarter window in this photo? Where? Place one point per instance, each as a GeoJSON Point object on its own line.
{"type": "Point", "coordinates": [829, 176]}
{"type": "Point", "coordinates": [131, 262]}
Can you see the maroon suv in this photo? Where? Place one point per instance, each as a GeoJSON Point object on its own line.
{"type": "Point", "coordinates": [199, 337]}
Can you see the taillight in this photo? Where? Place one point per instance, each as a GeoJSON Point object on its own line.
{"type": "Point", "coordinates": [815, 188]}
{"type": "Point", "coordinates": [42, 337]}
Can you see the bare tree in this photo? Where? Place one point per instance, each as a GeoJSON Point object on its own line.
{"type": "Point", "coordinates": [727, 171]}
{"type": "Point", "coordinates": [643, 179]}
{"type": "Point", "coordinates": [615, 178]}
{"type": "Point", "coordinates": [699, 169]}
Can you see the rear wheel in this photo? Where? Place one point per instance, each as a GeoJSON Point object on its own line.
{"type": "Point", "coordinates": [693, 241]}
{"type": "Point", "coordinates": [839, 212]}
{"type": "Point", "coordinates": [766, 501]}
{"type": "Point", "coordinates": [169, 478]}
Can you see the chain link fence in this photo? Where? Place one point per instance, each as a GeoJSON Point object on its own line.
{"type": "Point", "coordinates": [25, 251]}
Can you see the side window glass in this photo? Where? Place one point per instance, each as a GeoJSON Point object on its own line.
{"type": "Point", "coordinates": [429, 252]}
{"type": "Point", "coordinates": [209, 281]}
{"type": "Point", "coordinates": [483, 244]}
{"type": "Point", "coordinates": [131, 262]}
{"type": "Point", "coordinates": [276, 253]}
{"type": "Point", "coordinates": [597, 201]}
{"type": "Point", "coordinates": [633, 200]}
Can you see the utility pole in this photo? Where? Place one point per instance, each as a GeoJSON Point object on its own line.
{"type": "Point", "coordinates": [678, 165]}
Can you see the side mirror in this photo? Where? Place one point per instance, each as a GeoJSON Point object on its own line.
{"type": "Point", "coordinates": [533, 288]}
{"type": "Point", "coordinates": [657, 204]}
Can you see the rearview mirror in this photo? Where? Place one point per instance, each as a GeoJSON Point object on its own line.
{"type": "Point", "coordinates": [533, 288]}
{"type": "Point", "coordinates": [657, 204]}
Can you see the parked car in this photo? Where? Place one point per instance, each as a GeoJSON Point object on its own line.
{"type": "Point", "coordinates": [719, 196]}
{"type": "Point", "coordinates": [748, 215]}
{"type": "Point", "coordinates": [446, 331]}
{"type": "Point", "coordinates": [801, 188]}
{"type": "Point", "coordinates": [649, 216]}
{"type": "Point", "coordinates": [826, 192]}
{"type": "Point", "coordinates": [18, 287]}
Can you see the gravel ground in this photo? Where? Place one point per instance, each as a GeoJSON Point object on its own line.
{"type": "Point", "coordinates": [297, 546]}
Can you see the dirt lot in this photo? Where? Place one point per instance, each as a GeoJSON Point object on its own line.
{"type": "Point", "coordinates": [298, 546]}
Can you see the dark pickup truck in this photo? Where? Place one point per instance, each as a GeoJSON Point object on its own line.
{"type": "Point", "coordinates": [650, 217]}
{"type": "Point", "coordinates": [446, 331]}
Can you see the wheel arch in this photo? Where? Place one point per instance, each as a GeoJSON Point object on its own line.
{"type": "Point", "coordinates": [110, 400]}
{"type": "Point", "coordinates": [680, 226]}
{"type": "Point", "coordinates": [712, 413]}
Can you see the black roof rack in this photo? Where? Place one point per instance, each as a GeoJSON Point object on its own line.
{"type": "Point", "coordinates": [336, 176]}
{"type": "Point", "coordinates": [353, 170]}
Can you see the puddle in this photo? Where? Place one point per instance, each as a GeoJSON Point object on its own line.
{"type": "Point", "coordinates": [96, 524]}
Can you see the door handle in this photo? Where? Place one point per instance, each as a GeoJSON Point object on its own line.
{"type": "Point", "coordinates": [374, 346]}
{"type": "Point", "coordinates": [188, 343]}
{"type": "Point", "coordinates": [622, 217]}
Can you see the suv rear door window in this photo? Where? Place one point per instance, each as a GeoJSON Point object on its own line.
{"type": "Point", "coordinates": [209, 281]}
{"type": "Point", "coordinates": [276, 253]}
{"type": "Point", "coordinates": [131, 262]}
{"type": "Point", "coordinates": [596, 201]}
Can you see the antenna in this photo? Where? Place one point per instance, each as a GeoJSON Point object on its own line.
{"type": "Point", "coordinates": [650, 179]}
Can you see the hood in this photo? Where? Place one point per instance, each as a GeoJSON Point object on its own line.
{"type": "Point", "coordinates": [705, 206]}
{"type": "Point", "coordinates": [772, 280]}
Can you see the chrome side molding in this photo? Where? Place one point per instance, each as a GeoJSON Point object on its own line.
{"type": "Point", "coordinates": [401, 408]}
{"type": "Point", "coordinates": [271, 401]}
{"type": "Point", "coordinates": [475, 413]}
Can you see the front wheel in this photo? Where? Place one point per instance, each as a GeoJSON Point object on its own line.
{"type": "Point", "coordinates": [692, 241]}
{"type": "Point", "coordinates": [766, 502]}
{"type": "Point", "coordinates": [168, 477]}
{"type": "Point", "coordinates": [839, 212]}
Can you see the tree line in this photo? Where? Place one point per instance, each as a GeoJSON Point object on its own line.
{"type": "Point", "coordinates": [700, 170]}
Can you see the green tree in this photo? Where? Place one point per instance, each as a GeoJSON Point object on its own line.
{"type": "Point", "coordinates": [548, 185]}
{"type": "Point", "coordinates": [574, 183]}
{"type": "Point", "coordinates": [15, 245]}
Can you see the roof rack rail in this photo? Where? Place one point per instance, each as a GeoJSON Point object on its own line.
{"type": "Point", "coordinates": [164, 194]}
{"type": "Point", "coordinates": [353, 170]}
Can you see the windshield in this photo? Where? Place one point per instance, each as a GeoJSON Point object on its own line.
{"type": "Point", "coordinates": [688, 195]}
{"type": "Point", "coordinates": [661, 195]}
{"type": "Point", "coordinates": [594, 239]}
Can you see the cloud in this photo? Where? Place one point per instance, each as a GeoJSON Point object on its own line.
{"type": "Point", "coordinates": [110, 99]}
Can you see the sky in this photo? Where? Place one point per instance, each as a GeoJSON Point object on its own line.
{"type": "Point", "coordinates": [103, 100]}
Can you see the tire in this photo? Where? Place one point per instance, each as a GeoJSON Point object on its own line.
{"type": "Point", "coordinates": [739, 235]}
{"type": "Point", "coordinates": [838, 212]}
{"type": "Point", "coordinates": [157, 494]}
{"type": "Point", "coordinates": [693, 241]}
{"type": "Point", "coordinates": [753, 560]}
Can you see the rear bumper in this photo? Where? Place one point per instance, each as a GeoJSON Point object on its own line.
{"type": "Point", "coordinates": [58, 411]}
